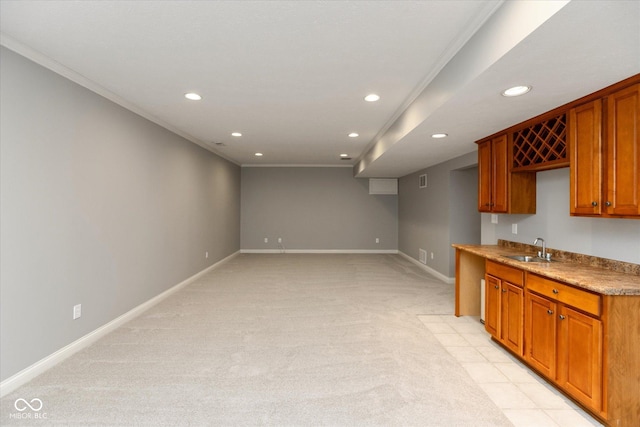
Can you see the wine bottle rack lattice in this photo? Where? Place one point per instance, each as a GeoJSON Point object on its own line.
{"type": "Point", "coordinates": [540, 144]}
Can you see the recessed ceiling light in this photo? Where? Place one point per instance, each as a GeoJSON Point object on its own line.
{"type": "Point", "coordinates": [258, 154]}
{"type": "Point", "coordinates": [353, 135]}
{"type": "Point", "coordinates": [516, 91]}
{"type": "Point", "coordinates": [192, 96]}
{"type": "Point", "coordinates": [344, 155]}
{"type": "Point", "coordinates": [439, 135]}
{"type": "Point", "coordinates": [236, 134]}
{"type": "Point", "coordinates": [372, 97]}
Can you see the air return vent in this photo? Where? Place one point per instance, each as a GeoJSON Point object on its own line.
{"type": "Point", "coordinates": [383, 186]}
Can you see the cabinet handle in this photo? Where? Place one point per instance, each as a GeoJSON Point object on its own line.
{"type": "Point", "coordinates": [549, 311]}
{"type": "Point", "coordinates": [608, 204]}
{"type": "Point", "coordinates": [594, 203]}
{"type": "Point", "coordinates": [555, 291]}
{"type": "Point", "coordinates": [562, 317]}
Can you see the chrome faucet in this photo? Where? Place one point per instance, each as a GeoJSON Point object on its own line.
{"type": "Point", "coordinates": [542, 254]}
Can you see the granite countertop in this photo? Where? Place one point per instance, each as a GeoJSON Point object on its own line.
{"type": "Point", "coordinates": [607, 277]}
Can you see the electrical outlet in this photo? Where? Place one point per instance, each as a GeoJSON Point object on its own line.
{"type": "Point", "coordinates": [423, 255]}
{"type": "Point", "coordinates": [279, 239]}
{"type": "Point", "coordinates": [514, 228]}
{"type": "Point", "coordinates": [494, 219]}
{"type": "Point", "coordinates": [431, 255]}
{"type": "Point", "coordinates": [377, 240]}
{"type": "Point", "coordinates": [266, 240]}
{"type": "Point", "coordinates": [206, 254]}
{"type": "Point", "coordinates": [77, 311]}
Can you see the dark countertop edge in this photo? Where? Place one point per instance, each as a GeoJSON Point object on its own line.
{"type": "Point", "coordinates": [547, 270]}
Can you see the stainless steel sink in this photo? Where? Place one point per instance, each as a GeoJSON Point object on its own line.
{"type": "Point", "coordinates": [528, 258]}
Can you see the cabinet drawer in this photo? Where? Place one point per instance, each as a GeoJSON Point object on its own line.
{"type": "Point", "coordinates": [506, 273]}
{"type": "Point", "coordinates": [578, 298]}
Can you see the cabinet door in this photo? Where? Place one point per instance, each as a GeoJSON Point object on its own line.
{"type": "Point", "coordinates": [511, 317]}
{"type": "Point", "coordinates": [580, 356]}
{"type": "Point", "coordinates": [585, 147]}
{"type": "Point", "coordinates": [500, 186]}
{"type": "Point", "coordinates": [540, 333]}
{"type": "Point", "coordinates": [492, 305]}
{"type": "Point", "coordinates": [623, 152]}
{"type": "Point", "coordinates": [484, 176]}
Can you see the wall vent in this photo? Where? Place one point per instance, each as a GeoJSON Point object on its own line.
{"type": "Point", "coordinates": [383, 186]}
{"type": "Point", "coordinates": [423, 256]}
{"type": "Point", "coordinates": [423, 181]}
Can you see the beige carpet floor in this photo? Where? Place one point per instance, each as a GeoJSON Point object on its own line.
{"type": "Point", "coordinates": [277, 339]}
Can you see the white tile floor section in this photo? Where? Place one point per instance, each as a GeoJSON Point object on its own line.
{"type": "Point", "coordinates": [526, 399]}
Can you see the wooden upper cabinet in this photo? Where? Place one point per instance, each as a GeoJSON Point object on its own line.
{"type": "Point", "coordinates": [604, 139]}
{"type": "Point", "coordinates": [623, 152]}
{"type": "Point", "coordinates": [585, 142]}
{"type": "Point", "coordinates": [500, 185]}
{"type": "Point", "coordinates": [485, 180]}
{"type": "Point", "coordinates": [499, 190]}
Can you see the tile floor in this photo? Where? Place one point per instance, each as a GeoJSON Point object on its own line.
{"type": "Point", "coordinates": [526, 399]}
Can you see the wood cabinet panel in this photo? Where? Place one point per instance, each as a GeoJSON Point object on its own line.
{"type": "Point", "coordinates": [585, 141]}
{"type": "Point", "coordinates": [504, 302]}
{"type": "Point", "coordinates": [605, 170]}
{"type": "Point", "coordinates": [505, 272]}
{"type": "Point", "coordinates": [499, 190]}
{"type": "Point", "coordinates": [485, 178]}
{"type": "Point", "coordinates": [579, 363]}
{"type": "Point", "coordinates": [623, 152]}
{"type": "Point", "coordinates": [511, 317]}
{"type": "Point", "coordinates": [492, 305]}
{"type": "Point", "coordinates": [581, 299]}
{"type": "Point", "coordinates": [540, 333]}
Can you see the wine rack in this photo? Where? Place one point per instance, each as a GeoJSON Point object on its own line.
{"type": "Point", "coordinates": [541, 146]}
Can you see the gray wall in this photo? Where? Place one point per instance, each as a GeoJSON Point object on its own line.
{"type": "Point", "coordinates": [99, 207]}
{"type": "Point", "coordinates": [607, 238]}
{"type": "Point", "coordinates": [445, 212]}
{"type": "Point", "coordinates": [314, 208]}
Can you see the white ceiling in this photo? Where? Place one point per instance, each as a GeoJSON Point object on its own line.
{"type": "Point", "coordinates": [291, 75]}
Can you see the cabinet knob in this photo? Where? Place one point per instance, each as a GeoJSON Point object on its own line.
{"type": "Point", "coordinates": [594, 203]}
{"type": "Point", "coordinates": [487, 204]}
{"type": "Point", "coordinates": [504, 291]}
{"type": "Point", "coordinates": [555, 291]}
{"type": "Point", "coordinates": [497, 287]}
{"type": "Point", "coordinates": [562, 317]}
{"type": "Point", "coordinates": [549, 311]}
{"type": "Point", "coordinates": [608, 204]}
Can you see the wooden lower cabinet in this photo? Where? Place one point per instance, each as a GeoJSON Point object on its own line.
{"type": "Point", "coordinates": [504, 305]}
{"type": "Point", "coordinates": [579, 356]}
{"type": "Point", "coordinates": [540, 330]}
{"type": "Point", "coordinates": [564, 338]}
{"type": "Point", "coordinates": [511, 317]}
{"type": "Point", "coordinates": [592, 353]}
{"type": "Point", "coordinates": [565, 346]}
{"type": "Point", "coordinates": [492, 305]}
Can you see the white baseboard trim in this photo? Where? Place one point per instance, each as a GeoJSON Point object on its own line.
{"type": "Point", "coordinates": [29, 373]}
{"type": "Point", "coordinates": [319, 251]}
{"type": "Point", "coordinates": [437, 274]}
